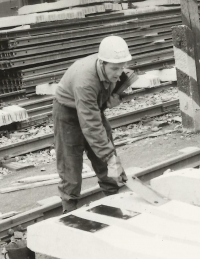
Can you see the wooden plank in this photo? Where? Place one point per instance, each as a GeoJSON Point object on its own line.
{"type": "Point", "coordinates": [38, 178]}
{"type": "Point", "coordinates": [39, 182]}
{"type": "Point", "coordinates": [15, 166]}
{"type": "Point", "coordinates": [47, 177]}
{"type": "Point", "coordinates": [29, 186]}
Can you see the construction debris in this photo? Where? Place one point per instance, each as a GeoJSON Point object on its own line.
{"type": "Point", "coordinates": [40, 183]}
{"type": "Point", "coordinates": [28, 186]}
{"type": "Point", "coordinates": [144, 101]}
{"type": "Point", "coordinates": [49, 201]}
{"type": "Point", "coordinates": [43, 180]}
{"type": "Point", "coordinates": [8, 215]}
{"type": "Point", "coordinates": [38, 178]}
{"type": "Point", "coordinates": [4, 171]}
{"type": "Point", "coordinates": [16, 166]}
{"type": "Point", "coordinates": [29, 134]}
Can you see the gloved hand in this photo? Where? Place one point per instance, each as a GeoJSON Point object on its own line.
{"type": "Point", "coordinates": [113, 101]}
{"type": "Point", "coordinates": [115, 169]}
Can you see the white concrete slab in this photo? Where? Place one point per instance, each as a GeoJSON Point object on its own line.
{"type": "Point", "coordinates": [182, 185]}
{"type": "Point", "coordinates": [189, 149]}
{"type": "Point", "coordinates": [155, 233]}
{"type": "Point", "coordinates": [49, 201]}
{"type": "Point", "coordinates": [16, 112]}
{"type": "Point", "coordinates": [146, 81]}
{"type": "Point", "coordinates": [46, 89]}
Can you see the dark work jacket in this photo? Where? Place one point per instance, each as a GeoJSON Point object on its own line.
{"type": "Point", "coordinates": [82, 88]}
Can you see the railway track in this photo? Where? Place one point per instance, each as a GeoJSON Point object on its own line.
{"type": "Point", "coordinates": [186, 160]}
{"type": "Point", "coordinates": [41, 142]}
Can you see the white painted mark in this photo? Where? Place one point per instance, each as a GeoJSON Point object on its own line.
{"type": "Point", "coordinates": [185, 63]}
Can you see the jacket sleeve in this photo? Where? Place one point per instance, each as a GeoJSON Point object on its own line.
{"type": "Point", "coordinates": [91, 122]}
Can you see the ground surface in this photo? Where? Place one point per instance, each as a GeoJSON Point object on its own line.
{"type": "Point", "coordinates": [142, 153]}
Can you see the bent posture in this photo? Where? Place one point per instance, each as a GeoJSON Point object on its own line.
{"type": "Point", "coordinates": [83, 93]}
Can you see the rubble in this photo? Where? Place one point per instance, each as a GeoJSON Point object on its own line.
{"type": "Point", "coordinates": [140, 102]}
{"type": "Point", "coordinates": [4, 171]}
{"type": "Point", "coordinates": [41, 157]}
{"type": "Point", "coordinates": [26, 135]}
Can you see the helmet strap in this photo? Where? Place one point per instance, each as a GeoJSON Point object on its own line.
{"type": "Point", "coordinates": [102, 64]}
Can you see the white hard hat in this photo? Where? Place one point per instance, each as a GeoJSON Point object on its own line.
{"type": "Point", "coordinates": [113, 49]}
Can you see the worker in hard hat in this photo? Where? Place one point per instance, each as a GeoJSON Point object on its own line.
{"type": "Point", "coordinates": [82, 95]}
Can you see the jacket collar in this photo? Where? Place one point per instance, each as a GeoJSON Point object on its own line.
{"type": "Point", "coordinates": [101, 73]}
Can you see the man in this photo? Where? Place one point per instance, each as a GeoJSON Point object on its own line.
{"type": "Point", "coordinates": [83, 93]}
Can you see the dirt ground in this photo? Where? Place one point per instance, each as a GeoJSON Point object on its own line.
{"type": "Point", "coordinates": [142, 153]}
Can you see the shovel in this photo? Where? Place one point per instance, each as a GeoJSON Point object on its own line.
{"type": "Point", "coordinates": [145, 191]}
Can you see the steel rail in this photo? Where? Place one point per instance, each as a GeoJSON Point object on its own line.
{"type": "Point", "coordinates": [60, 26]}
{"type": "Point", "coordinates": [45, 109]}
{"type": "Point", "coordinates": [60, 55]}
{"type": "Point", "coordinates": [27, 146]}
{"type": "Point", "coordinates": [12, 96]}
{"type": "Point", "coordinates": [37, 143]}
{"type": "Point", "coordinates": [41, 70]}
{"type": "Point", "coordinates": [156, 63]}
{"type": "Point", "coordinates": [138, 115]}
{"type": "Point", "coordinates": [55, 76]}
{"type": "Point", "coordinates": [45, 101]}
{"type": "Point", "coordinates": [99, 18]}
{"type": "Point", "coordinates": [55, 67]}
{"type": "Point", "coordinates": [106, 29]}
{"type": "Point", "coordinates": [36, 80]}
{"type": "Point", "coordinates": [35, 103]}
{"type": "Point", "coordinates": [144, 62]}
{"type": "Point", "coordinates": [131, 37]}
{"type": "Point", "coordinates": [186, 160]}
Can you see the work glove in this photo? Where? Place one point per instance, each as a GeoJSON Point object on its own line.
{"type": "Point", "coordinates": [113, 101]}
{"type": "Point", "coordinates": [115, 169]}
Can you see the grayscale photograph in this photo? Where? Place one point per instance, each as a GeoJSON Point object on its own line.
{"type": "Point", "coordinates": [99, 129]}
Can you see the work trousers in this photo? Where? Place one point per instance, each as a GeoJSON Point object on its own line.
{"type": "Point", "coordinates": [70, 144]}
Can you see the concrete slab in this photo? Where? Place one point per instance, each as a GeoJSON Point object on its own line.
{"type": "Point", "coordinates": [182, 185]}
{"type": "Point", "coordinates": [91, 232]}
{"type": "Point", "coordinates": [46, 89]}
{"type": "Point", "coordinates": [189, 149]}
{"type": "Point", "coordinates": [146, 81]}
{"type": "Point", "coordinates": [49, 201]}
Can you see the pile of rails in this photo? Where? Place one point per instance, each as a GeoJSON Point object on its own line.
{"type": "Point", "coordinates": [41, 54]}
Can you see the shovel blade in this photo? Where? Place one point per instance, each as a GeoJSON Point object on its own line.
{"type": "Point", "coordinates": [145, 191]}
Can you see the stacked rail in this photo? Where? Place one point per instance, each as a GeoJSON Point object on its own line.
{"type": "Point", "coordinates": [42, 54]}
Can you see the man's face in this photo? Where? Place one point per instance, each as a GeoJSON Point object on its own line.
{"type": "Point", "coordinates": [113, 71]}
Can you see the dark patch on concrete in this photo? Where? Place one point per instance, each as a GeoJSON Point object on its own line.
{"type": "Point", "coordinates": [187, 121]}
{"type": "Point", "coordinates": [183, 82]}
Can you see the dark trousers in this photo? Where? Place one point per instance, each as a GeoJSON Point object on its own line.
{"type": "Point", "coordinates": [70, 144]}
